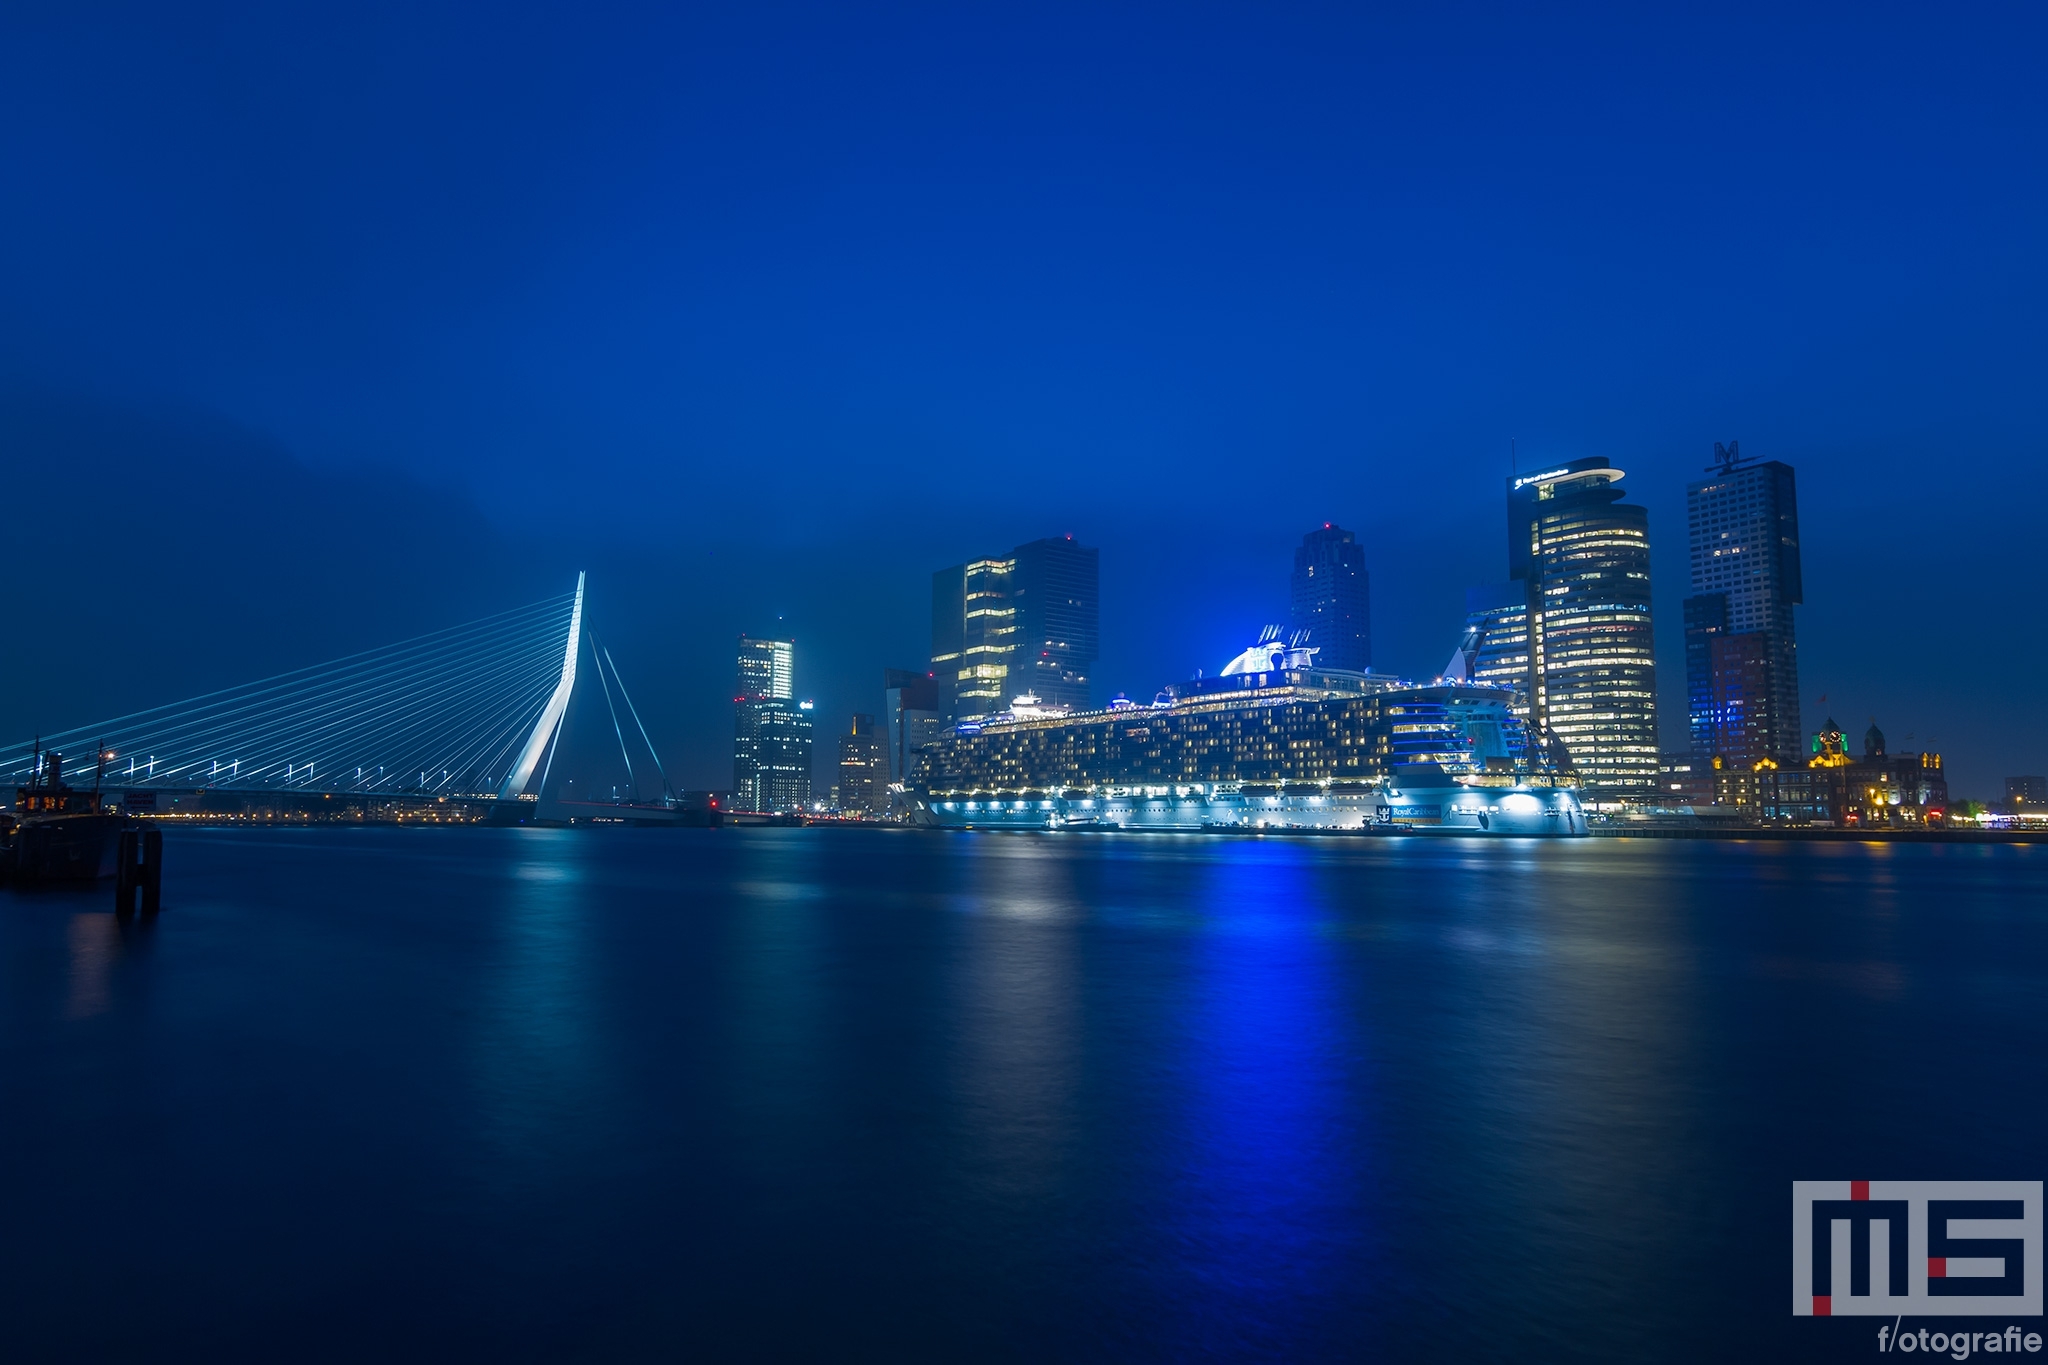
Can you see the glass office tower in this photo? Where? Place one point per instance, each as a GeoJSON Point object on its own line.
{"type": "Point", "coordinates": [771, 732]}
{"type": "Point", "coordinates": [1330, 596]}
{"type": "Point", "coordinates": [974, 631]}
{"type": "Point", "coordinates": [1028, 622]}
{"type": "Point", "coordinates": [782, 749]}
{"type": "Point", "coordinates": [1055, 591]}
{"type": "Point", "coordinates": [1741, 654]}
{"type": "Point", "coordinates": [767, 668]}
{"type": "Point", "coordinates": [1582, 558]}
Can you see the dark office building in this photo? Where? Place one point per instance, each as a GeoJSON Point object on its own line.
{"type": "Point", "coordinates": [1027, 622]}
{"type": "Point", "coordinates": [1741, 653]}
{"type": "Point", "coordinates": [1684, 780]}
{"type": "Point", "coordinates": [864, 768]}
{"type": "Point", "coordinates": [1055, 590]}
{"type": "Point", "coordinates": [1741, 703]}
{"type": "Point", "coordinates": [2026, 792]}
{"type": "Point", "coordinates": [782, 749]}
{"type": "Point", "coordinates": [1582, 559]}
{"type": "Point", "coordinates": [910, 707]}
{"type": "Point", "coordinates": [1706, 620]}
{"type": "Point", "coordinates": [1330, 597]}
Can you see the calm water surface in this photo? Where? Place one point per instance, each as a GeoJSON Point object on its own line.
{"type": "Point", "coordinates": [820, 1094]}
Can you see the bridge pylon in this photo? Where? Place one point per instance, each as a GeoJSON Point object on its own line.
{"type": "Point", "coordinates": [550, 721]}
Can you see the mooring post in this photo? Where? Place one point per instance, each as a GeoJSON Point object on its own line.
{"type": "Point", "coordinates": [125, 873]}
{"type": "Point", "coordinates": [152, 870]}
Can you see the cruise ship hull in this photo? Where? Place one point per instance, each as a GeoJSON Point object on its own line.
{"type": "Point", "coordinates": [1538, 811]}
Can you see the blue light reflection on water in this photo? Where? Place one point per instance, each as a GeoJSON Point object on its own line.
{"type": "Point", "coordinates": [536, 1095]}
{"type": "Point", "coordinates": [1269, 1215]}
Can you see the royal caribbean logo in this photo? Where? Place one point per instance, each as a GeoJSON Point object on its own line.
{"type": "Point", "coordinates": [1927, 1248]}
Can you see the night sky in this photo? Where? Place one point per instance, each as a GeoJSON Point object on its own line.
{"type": "Point", "coordinates": [320, 328]}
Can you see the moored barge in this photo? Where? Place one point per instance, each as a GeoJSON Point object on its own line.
{"type": "Point", "coordinates": [56, 833]}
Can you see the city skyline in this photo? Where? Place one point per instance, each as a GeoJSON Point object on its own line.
{"type": "Point", "coordinates": [1975, 772]}
{"type": "Point", "coordinates": [1578, 559]}
{"type": "Point", "coordinates": [1200, 287]}
{"type": "Point", "coordinates": [942, 682]}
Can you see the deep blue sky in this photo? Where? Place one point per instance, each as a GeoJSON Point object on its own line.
{"type": "Point", "coordinates": [331, 324]}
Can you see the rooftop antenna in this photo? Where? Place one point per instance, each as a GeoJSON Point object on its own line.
{"type": "Point", "coordinates": [1514, 461]}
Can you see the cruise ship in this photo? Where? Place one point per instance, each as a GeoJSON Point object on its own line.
{"type": "Point", "coordinates": [1271, 742]}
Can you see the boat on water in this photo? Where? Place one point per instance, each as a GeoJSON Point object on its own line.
{"type": "Point", "coordinates": [57, 833]}
{"type": "Point", "coordinates": [1273, 742]}
{"type": "Point", "coordinates": [1416, 801]}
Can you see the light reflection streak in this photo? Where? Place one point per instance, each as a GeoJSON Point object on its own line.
{"type": "Point", "coordinates": [541, 1071]}
{"type": "Point", "coordinates": [1019, 1002]}
{"type": "Point", "coordinates": [1269, 1127]}
{"type": "Point", "coordinates": [778, 960]}
{"type": "Point", "coordinates": [95, 939]}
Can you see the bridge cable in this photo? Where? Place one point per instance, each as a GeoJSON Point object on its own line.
{"type": "Point", "coordinates": [632, 782]}
{"type": "Point", "coordinates": [459, 700]}
{"type": "Point", "coordinates": [190, 703]}
{"type": "Point", "coordinates": [634, 712]}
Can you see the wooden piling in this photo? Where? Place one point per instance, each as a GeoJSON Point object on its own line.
{"type": "Point", "coordinates": [139, 867]}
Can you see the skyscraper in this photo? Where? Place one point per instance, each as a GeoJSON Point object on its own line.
{"type": "Point", "coordinates": [771, 741]}
{"type": "Point", "coordinates": [1055, 589]}
{"type": "Point", "coordinates": [864, 768]}
{"type": "Point", "coordinates": [1741, 654]}
{"type": "Point", "coordinates": [782, 748]}
{"type": "Point", "coordinates": [767, 668]}
{"type": "Point", "coordinates": [1027, 622]}
{"type": "Point", "coordinates": [974, 636]}
{"type": "Point", "coordinates": [910, 703]}
{"type": "Point", "coordinates": [1582, 557]}
{"type": "Point", "coordinates": [1331, 597]}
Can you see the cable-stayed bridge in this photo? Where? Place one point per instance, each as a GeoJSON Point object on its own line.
{"type": "Point", "coordinates": [474, 712]}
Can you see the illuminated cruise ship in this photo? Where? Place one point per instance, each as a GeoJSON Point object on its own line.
{"type": "Point", "coordinates": [1270, 742]}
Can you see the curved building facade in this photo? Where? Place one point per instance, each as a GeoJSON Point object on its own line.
{"type": "Point", "coordinates": [1582, 557]}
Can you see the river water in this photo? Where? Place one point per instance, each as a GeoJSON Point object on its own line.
{"type": "Point", "coordinates": [371, 1094]}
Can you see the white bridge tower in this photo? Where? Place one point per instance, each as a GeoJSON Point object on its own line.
{"type": "Point", "coordinates": [551, 716]}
